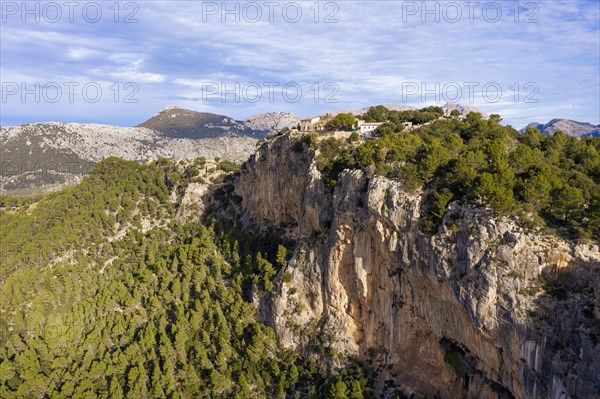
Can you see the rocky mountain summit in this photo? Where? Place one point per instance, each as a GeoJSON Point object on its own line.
{"type": "Point", "coordinates": [483, 308]}
{"type": "Point", "coordinates": [47, 156]}
{"type": "Point", "coordinates": [184, 123]}
{"type": "Point", "coordinates": [569, 127]}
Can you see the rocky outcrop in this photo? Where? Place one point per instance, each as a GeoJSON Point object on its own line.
{"type": "Point", "coordinates": [481, 309]}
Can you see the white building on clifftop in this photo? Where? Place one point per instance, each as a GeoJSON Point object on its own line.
{"type": "Point", "coordinates": [368, 127]}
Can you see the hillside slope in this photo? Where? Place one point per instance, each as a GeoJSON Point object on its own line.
{"type": "Point", "coordinates": [106, 293]}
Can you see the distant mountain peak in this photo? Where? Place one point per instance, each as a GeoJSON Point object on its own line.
{"type": "Point", "coordinates": [169, 109]}
{"type": "Point", "coordinates": [40, 157]}
{"type": "Point", "coordinates": [178, 122]}
{"type": "Point", "coordinates": [568, 126]}
{"type": "Point", "coordinates": [184, 123]}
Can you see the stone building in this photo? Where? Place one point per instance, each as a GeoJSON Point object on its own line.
{"type": "Point", "coordinates": [314, 124]}
{"type": "Point", "coordinates": [368, 127]}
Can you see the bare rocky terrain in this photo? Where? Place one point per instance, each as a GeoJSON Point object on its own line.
{"type": "Point", "coordinates": [42, 157]}
{"type": "Point", "coordinates": [464, 110]}
{"type": "Point", "coordinates": [272, 121]}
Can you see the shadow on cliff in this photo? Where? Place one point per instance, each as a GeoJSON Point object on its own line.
{"type": "Point", "coordinates": [561, 353]}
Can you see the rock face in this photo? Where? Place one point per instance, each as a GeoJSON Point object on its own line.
{"type": "Point", "coordinates": [481, 309]}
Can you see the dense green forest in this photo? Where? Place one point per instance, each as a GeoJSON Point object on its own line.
{"type": "Point", "coordinates": [105, 295]}
{"type": "Point", "coordinates": [549, 182]}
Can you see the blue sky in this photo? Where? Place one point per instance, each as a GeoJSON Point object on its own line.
{"type": "Point", "coordinates": [537, 60]}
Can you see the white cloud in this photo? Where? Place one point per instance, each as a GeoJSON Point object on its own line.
{"type": "Point", "coordinates": [368, 54]}
{"type": "Point", "coordinates": [139, 77]}
{"type": "Point", "coordinates": [132, 73]}
{"type": "Point", "coordinates": [82, 53]}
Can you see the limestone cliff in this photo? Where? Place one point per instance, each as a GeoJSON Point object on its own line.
{"type": "Point", "coordinates": [481, 309]}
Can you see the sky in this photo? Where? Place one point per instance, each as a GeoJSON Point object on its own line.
{"type": "Point", "coordinates": [120, 62]}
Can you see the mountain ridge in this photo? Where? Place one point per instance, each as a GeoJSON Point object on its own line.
{"type": "Point", "coordinates": [568, 126]}
{"type": "Point", "coordinates": [48, 156]}
{"type": "Point", "coordinates": [176, 122]}
{"type": "Point", "coordinates": [52, 155]}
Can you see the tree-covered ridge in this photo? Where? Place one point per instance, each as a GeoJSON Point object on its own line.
{"type": "Point", "coordinates": [380, 113]}
{"type": "Point", "coordinates": [115, 195]}
{"type": "Point", "coordinates": [156, 311]}
{"type": "Point", "coordinates": [547, 181]}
